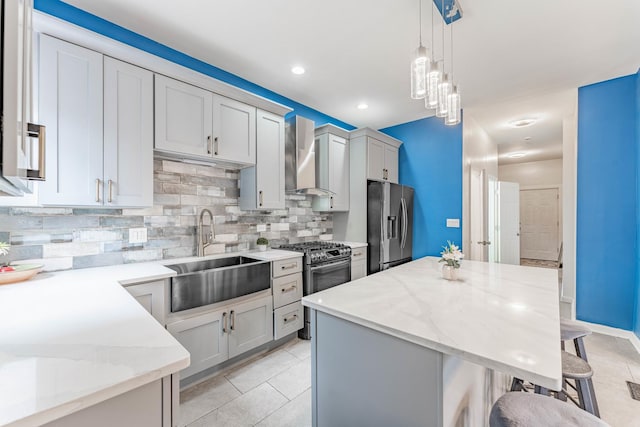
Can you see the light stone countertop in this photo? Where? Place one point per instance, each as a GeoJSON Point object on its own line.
{"type": "Point", "coordinates": [354, 245]}
{"type": "Point", "coordinates": [503, 317]}
{"type": "Point", "coordinates": [71, 339]}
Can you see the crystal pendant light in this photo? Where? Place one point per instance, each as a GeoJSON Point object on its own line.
{"type": "Point", "coordinates": [433, 81]}
{"type": "Point", "coordinates": [434, 76]}
{"type": "Point", "coordinates": [419, 67]}
{"type": "Point", "coordinates": [419, 70]}
{"type": "Point", "coordinates": [444, 90]}
{"type": "Point", "coordinates": [454, 111]}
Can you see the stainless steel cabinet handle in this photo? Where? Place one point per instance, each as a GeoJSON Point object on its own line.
{"type": "Point", "coordinates": [110, 191]}
{"type": "Point", "coordinates": [289, 319]}
{"type": "Point", "coordinates": [209, 144]}
{"type": "Point", "coordinates": [233, 320]}
{"type": "Point", "coordinates": [215, 146]}
{"type": "Point", "coordinates": [289, 289]}
{"type": "Point", "coordinates": [38, 131]}
{"type": "Point", "coordinates": [355, 254]}
{"type": "Point", "coordinates": [224, 322]}
{"type": "Point", "coordinates": [260, 197]}
{"type": "Point", "coordinates": [97, 189]}
{"type": "Point", "coordinates": [331, 202]}
{"type": "Point", "coordinates": [288, 267]}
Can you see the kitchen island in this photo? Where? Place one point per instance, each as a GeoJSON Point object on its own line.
{"type": "Point", "coordinates": [406, 347]}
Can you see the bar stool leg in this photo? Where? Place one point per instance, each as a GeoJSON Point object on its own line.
{"type": "Point", "coordinates": [580, 350]}
{"type": "Point", "coordinates": [592, 398]}
{"type": "Point", "coordinates": [541, 390]}
{"type": "Point", "coordinates": [517, 384]}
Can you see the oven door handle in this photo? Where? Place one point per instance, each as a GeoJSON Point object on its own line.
{"type": "Point", "coordinates": [332, 266]}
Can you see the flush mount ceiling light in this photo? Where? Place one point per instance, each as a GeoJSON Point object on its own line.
{"type": "Point", "coordinates": [298, 70]}
{"type": "Point", "coordinates": [527, 138]}
{"type": "Point", "coordinates": [362, 106]}
{"type": "Point", "coordinates": [517, 155]}
{"type": "Point", "coordinates": [521, 123]}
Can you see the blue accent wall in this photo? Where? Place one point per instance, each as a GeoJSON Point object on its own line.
{"type": "Point", "coordinates": [431, 163]}
{"type": "Point", "coordinates": [636, 328]}
{"type": "Point", "coordinates": [98, 25]}
{"type": "Point", "coordinates": [607, 203]}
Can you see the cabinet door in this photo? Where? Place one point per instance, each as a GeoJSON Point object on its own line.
{"type": "Point", "coordinates": [70, 106]}
{"type": "Point", "coordinates": [391, 163]}
{"type": "Point", "coordinates": [339, 173]}
{"type": "Point", "coordinates": [183, 116]}
{"type": "Point", "coordinates": [128, 134]}
{"type": "Point", "coordinates": [204, 338]}
{"type": "Point", "coordinates": [251, 325]}
{"type": "Point", "coordinates": [151, 297]}
{"type": "Point", "coordinates": [375, 159]}
{"type": "Point", "coordinates": [234, 131]}
{"type": "Point", "coordinates": [358, 269]}
{"type": "Point", "coordinates": [270, 161]}
{"type": "Point", "coordinates": [288, 319]}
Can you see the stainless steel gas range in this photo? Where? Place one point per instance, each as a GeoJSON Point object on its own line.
{"type": "Point", "coordinates": [325, 265]}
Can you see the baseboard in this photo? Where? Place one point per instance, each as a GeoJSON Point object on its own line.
{"type": "Point", "coordinates": [614, 332]}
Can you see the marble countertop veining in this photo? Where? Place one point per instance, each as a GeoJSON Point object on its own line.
{"type": "Point", "coordinates": [504, 317]}
{"type": "Point", "coordinates": [71, 339]}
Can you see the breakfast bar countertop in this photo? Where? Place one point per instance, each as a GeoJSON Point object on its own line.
{"type": "Point", "coordinates": [503, 317]}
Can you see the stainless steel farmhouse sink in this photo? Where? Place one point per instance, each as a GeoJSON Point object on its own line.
{"type": "Point", "coordinates": [210, 281]}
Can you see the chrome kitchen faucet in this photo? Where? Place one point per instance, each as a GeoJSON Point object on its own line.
{"type": "Point", "coordinates": [204, 242]}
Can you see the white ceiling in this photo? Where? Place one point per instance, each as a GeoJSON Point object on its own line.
{"type": "Point", "coordinates": [545, 134]}
{"type": "Point", "coordinates": [359, 50]}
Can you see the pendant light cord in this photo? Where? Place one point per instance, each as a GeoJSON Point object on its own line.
{"type": "Point", "coordinates": [451, 35]}
{"type": "Point", "coordinates": [433, 54]}
{"type": "Point", "coordinates": [420, 3]}
{"type": "Point", "coordinates": [444, 21]}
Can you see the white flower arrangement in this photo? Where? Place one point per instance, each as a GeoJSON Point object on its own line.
{"type": "Point", "coordinates": [451, 255]}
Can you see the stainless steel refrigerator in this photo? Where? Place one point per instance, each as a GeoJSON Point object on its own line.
{"type": "Point", "coordinates": [389, 225]}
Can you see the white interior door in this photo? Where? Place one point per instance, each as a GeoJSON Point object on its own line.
{"type": "Point", "coordinates": [540, 223]}
{"type": "Point", "coordinates": [509, 223]}
{"type": "Point", "coordinates": [477, 229]}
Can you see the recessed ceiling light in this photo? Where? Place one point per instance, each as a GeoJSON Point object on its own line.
{"type": "Point", "coordinates": [520, 123]}
{"type": "Point", "coordinates": [362, 106]}
{"type": "Point", "coordinates": [297, 70]}
{"type": "Point", "coordinates": [527, 138]}
{"type": "Point", "coordinates": [517, 155]}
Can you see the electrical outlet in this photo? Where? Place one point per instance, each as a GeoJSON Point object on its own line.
{"type": "Point", "coordinates": [137, 235]}
{"type": "Point", "coordinates": [453, 223]}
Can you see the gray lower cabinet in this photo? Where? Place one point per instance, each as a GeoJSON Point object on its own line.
{"type": "Point", "coordinates": [140, 407]}
{"type": "Point", "coordinates": [205, 338]}
{"type": "Point", "coordinates": [215, 336]}
{"type": "Point", "coordinates": [151, 296]}
{"type": "Point", "coordinates": [251, 325]}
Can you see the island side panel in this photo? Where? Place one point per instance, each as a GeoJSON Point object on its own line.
{"type": "Point", "coordinates": [362, 377]}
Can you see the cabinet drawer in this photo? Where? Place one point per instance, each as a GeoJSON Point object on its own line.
{"type": "Point", "coordinates": [287, 319]}
{"type": "Point", "coordinates": [287, 289]}
{"type": "Point", "coordinates": [287, 266]}
{"type": "Point", "coordinates": [358, 253]}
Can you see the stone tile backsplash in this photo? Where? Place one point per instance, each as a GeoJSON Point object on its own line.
{"type": "Point", "coordinates": [65, 238]}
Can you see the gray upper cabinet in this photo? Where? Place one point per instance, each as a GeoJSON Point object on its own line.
{"type": "Point", "coordinates": [70, 106]}
{"type": "Point", "coordinates": [128, 134]}
{"type": "Point", "coordinates": [99, 115]}
{"type": "Point", "coordinates": [382, 161]}
{"type": "Point", "coordinates": [332, 149]}
{"type": "Point", "coordinates": [234, 131]}
{"type": "Point", "coordinates": [192, 122]}
{"type": "Point", "coordinates": [262, 186]}
{"type": "Point", "coordinates": [184, 117]}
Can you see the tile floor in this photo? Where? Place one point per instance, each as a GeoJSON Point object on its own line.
{"type": "Point", "coordinates": [274, 389]}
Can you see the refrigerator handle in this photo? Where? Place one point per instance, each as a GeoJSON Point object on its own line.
{"type": "Point", "coordinates": [403, 205]}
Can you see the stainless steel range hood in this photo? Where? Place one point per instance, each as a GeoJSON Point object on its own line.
{"type": "Point", "coordinates": [300, 158]}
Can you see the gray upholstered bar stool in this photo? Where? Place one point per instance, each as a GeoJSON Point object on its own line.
{"type": "Point", "coordinates": [534, 410]}
{"type": "Point", "coordinates": [573, 331]}
{"type": "Point", "coordinates": [578, 370]}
